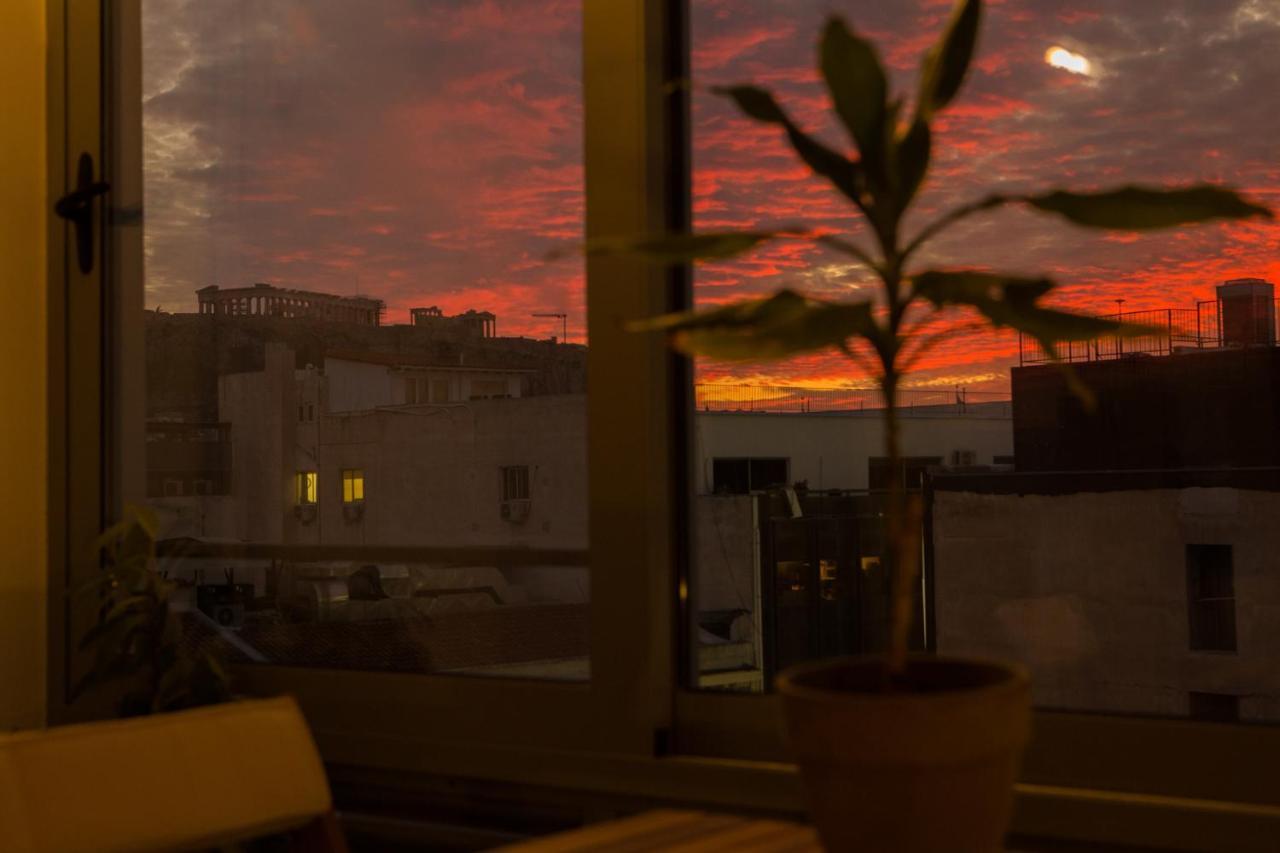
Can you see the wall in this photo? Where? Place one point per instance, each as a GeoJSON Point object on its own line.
{"type": "Point", "coordinates": [23, 444]}
{"type": "Point", "coordinates": [1201, 409]}
{"type": "Point", "coordinates": [432, 473]}
{"type": "Point", "coordinates": [831, 451]}
{"type": "Point", "coordinates": [1090, 591]}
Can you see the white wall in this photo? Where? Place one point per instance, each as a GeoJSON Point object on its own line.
{"type": "Point", "coordinates": [355, 386]}
{"type": "Point", "coordinates": [23, 366]}
{"type": "Point", "coordinates": [1090, 591]}
{"type": "Point", "coordinates": [831, 451]}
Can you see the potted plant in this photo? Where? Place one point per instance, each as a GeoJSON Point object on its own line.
{"type": "Point", "coordinates": [137, 638]}
{"type": "Point", "coordinates": [903, 752]}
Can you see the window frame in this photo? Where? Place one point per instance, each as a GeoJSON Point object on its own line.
{"type": "Point", "coordinates": [632, 727]}
{"type": "Point", "coordinates": [352, 480]}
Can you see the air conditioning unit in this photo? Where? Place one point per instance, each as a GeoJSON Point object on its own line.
{"type": "Point", "coordinates": [305, 513]}
{"type": "Point", "coordinates": [516, 511]}
{"type": "Point", "coordinates": [352, 512]}
{"type": "Point", "coordinates": [964, 458]}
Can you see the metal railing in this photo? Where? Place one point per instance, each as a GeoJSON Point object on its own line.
{"type": "Point", "coordinates": [1176, 329]}
{"type": "Point", "coordinates": [725, 397]}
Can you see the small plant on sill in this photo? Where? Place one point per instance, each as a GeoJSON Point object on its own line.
{"type": "Point", "coordinates": [137, 638]}
{"type": "Point", "coordinates": [880, 334]}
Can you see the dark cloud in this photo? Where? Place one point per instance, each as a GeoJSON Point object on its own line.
{"type": "Point", "coordinates": [422, 152]}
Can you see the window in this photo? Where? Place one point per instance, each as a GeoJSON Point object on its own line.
{"type": "Point", "coordinates": [352, 485]}
{"type": "Point", "coordinates": [627, 465]}
{"type": "Point", "coordinates": [440, 391]}
{"type": "Point", "coordinates": [515, 483]}
{"type": "Point", "coordinates": [305, 488]}
{"type": "Point", "coordinates": [1211, 599]}
{"type": "Point", "coordinates": [173, 488]}
{"type": "Point", "coordinates": [1213, 707]}
{"type": "Point", "coordinates": [743, 476]}
{"type": "Point", "coordinates": [913, 468]}
{"type": "Point", "coordinates": [488, 389]}
{"type": "Point", "coordinates": [410, 390]}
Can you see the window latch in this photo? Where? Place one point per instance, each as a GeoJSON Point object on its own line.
{"type": "Point", "coordinates": [77, 208]}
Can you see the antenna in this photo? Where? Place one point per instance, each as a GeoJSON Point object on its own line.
{"type": "Point", "coordinates": [564, 324]}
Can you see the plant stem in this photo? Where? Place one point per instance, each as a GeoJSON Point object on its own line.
{"type": "Point", "coordinates": [902, 511]}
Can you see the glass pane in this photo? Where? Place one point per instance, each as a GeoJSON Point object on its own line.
{"type": "Point", "coordinates": [1136, 581]}
{"type": "Point", "coordinates": [366, 413]}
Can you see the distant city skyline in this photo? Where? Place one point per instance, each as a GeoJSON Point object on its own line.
{"type": "Point", "coordinates": [430, 153]}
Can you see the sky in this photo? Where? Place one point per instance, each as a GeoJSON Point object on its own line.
{"type": "Point", "coordinates": [429, 152]}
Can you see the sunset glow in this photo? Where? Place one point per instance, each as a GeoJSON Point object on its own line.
{"type": "Point", "coordinates": [431, 154]}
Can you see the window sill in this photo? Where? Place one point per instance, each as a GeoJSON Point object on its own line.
{"type": "Point", "coordinates": [774, 788]}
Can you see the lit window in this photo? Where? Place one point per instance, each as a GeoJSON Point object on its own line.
{"type": "Point", "coordinates": [352, 485]}
{"type": "Point", "coordinates": [304, 488]}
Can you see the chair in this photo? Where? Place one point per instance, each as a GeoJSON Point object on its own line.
{"type": "Point", "coordinates": [191, 779]}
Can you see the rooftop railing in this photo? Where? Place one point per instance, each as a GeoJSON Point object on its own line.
{"type": "Point", "coordinates": [1176, 330]}
{"type": "Point", "coordinates": [724, 397]}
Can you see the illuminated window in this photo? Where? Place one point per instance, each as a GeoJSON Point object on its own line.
{"type": "Point", "coordinates": [352, 485]}
{"type": "Point", "coordinates": [304, 488]}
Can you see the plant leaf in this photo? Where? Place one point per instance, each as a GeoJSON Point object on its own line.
{"type": "Point", "coordinates": [856, 81]}
{"type": "Point", "coordinates": [1136, 208]}
{"type": "Point", "coordinates": [845, 174]}
{"type": "Point", "coordinates": [911, 160]}
{"type": "Point", "coordinates": [947, 61]}
{"type": "Point", "coordinates": [679, 248]}
{"type": "Point", "coordinates": [775, 327]}
{"type": "Point", "coordinates": [1012, 301]}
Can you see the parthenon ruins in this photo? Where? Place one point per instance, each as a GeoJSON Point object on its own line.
{"type": "Point", "coordinates": [265, 300]}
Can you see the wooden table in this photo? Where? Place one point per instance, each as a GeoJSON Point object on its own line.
{"type": "Point", "coordinates": [679, 830]}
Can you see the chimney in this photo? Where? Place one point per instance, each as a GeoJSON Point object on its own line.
{"type": "Point", "coordinates": [1248, 312]}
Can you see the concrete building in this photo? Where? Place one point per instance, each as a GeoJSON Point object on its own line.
{"type": "Point", "coordinates": [265, 300]}
{"type": "Point", "coordinates": [1131, 560]}
{"type": "Point", "coordinates": [1126, 592]}
{"type": "Point", "coordinates": [843, 449]}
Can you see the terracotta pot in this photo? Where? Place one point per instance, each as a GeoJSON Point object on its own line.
{"type": "Point", "coordinates": [926, 766]}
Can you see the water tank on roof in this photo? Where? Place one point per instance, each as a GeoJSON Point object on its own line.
{"type": "Point", "coordinates": [1248, 312]}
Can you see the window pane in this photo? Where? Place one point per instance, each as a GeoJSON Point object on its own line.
{"type": "Point", "coordinates": [1120, 552]}
{"type": "Point", "coordinates": [351, 334]}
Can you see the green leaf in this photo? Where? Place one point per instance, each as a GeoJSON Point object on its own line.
{"type": "Point", "coordinates": [947, 61]}
{"type": "Point", "coordinates": [1137, 208]}
{"type": "Point", "coordinates": [845, 174]}
{"type": "Point", "coordinates": [1012, 301]}
{"type": "Point", "coordinates": [856, 81]}
{"type": "Point", "coordinates": [911, 160]}
{"type": "Point", "coordinates": [678, 248]}
{"type": "Point", "coordinates": [775, 327]}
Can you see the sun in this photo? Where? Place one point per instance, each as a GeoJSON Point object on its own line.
{"type": "Point", "coordinates": [1060, 57]}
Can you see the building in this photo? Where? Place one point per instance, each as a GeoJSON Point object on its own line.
{"type": "Point", "coordinates": [265, 300]}
{"type": "Point", "coordinates": [1204, 393]}
{"type": "Point", "coordinates": [472, 323]}
{"type": "Point", "coordinates": [1130, 561]}
{"type": "Point", "coordinates": [1126, 592]}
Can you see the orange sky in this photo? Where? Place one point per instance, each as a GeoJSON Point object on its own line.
{"type": "Point", "coordinates": [430, 152]}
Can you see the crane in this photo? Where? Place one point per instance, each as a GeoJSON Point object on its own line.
{"type": "Point", "coordinates": [564, 324]}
